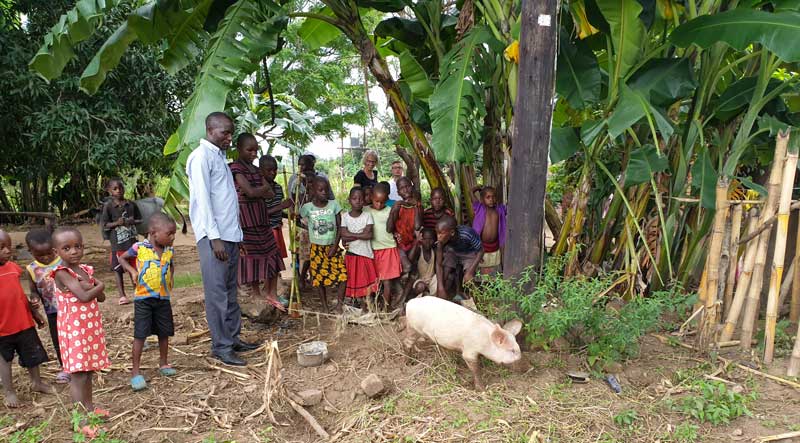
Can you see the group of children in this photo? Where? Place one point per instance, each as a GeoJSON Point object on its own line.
{"type": "Point", "coordinates": [396, 248]}
{"type": "Point", "coordinates": [67, 291]}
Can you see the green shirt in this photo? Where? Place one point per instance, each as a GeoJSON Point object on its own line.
{"type": "Point", "coordinates": [381, 238]}
{"type": "Point", "coordinates": [321, 222]}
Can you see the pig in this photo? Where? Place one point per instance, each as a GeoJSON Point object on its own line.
{"type": "Point", "coordinates": [455, 327]}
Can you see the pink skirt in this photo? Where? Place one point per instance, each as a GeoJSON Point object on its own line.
{"type": "Point", "coordinates": [387, 263]}
{"type": "Point", "coordinates": [361, 275]}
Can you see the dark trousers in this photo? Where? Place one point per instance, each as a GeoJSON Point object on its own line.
{"type": "Point", "coordinates": [52, 324]}
{"type": "Point", "coordinates": [219, 285]}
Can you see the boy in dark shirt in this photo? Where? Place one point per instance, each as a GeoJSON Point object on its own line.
{"type": "Point", "coordinates": [458, 248]}
{"type": "Point", "coordinates": [120, 217]}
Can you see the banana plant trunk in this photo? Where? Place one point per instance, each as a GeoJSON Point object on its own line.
{"type": "Point", "coordinates": [349, 21]}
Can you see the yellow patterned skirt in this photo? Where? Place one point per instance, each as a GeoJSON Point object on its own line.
{"type": "Point", "coordinates": [326, 271]}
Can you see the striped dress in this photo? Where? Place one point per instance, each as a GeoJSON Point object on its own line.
{"type": "Point", "coordinates": [260, 259]}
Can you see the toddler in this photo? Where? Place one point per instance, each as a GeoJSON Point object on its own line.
{"type": "Point", "coordinates": [120, 217]}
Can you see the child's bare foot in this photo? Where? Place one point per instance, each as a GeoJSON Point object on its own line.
{"type": "Point", "coordinates": [44, 388]}
{"type": "Point", "coordinates": [10, 400]}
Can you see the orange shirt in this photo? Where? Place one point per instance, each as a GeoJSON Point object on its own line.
{"type": "Point", "coordinates": [404, 226]}
{"type": "Point", "coordinates": [15, 315]}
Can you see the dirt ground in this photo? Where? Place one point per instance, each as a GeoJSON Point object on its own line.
{"type": "Point", "coordinates": [427, 399]}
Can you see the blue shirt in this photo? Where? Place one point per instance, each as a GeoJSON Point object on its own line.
{"type": "Point", "coordinates": [213, 203]}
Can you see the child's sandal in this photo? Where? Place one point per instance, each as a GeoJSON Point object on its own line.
{"type": "Point", "coordinates": [167, 371]}
{"type": "Point", "coordinates": [62, 378]}
{"type": "Point", "coordinates": [102, 412]}
{"type": "Point", "coordinates": [138, 383]}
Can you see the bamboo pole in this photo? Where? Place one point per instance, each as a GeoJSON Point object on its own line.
{"type": "Point", "coordinates": [766, 225]}
{"type": "Point", "coordinates": [736, 229]}
{"type": "Point", "coordinates": [794, 305]}
{"type": "Point", "coordinates": [770, 205]}
{"type": "Point", "coordinates": [708, 322]}
{"type": "Point", "coordinates": [744, 282]}
{"type": "Point", "coordinates": [776, 273]}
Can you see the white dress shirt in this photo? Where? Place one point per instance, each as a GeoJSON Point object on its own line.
{"type": "Point", "coordinates": [393, 195]}
{"type": "Point", "coordinates": [213, 203]}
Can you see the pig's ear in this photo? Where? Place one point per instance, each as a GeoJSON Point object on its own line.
{"type": "Point", "coordinates": [514, 326]}
{"type": "Point", "coordinates": [498, 336]}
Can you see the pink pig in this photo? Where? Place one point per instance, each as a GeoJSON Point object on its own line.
{"type": "Point", "coordinates": [457, 328]}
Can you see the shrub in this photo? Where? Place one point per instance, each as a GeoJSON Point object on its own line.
{"type": "Point", "coordinates": [575, 308]}
{"type": "Point", "coordinates": [713, 402]}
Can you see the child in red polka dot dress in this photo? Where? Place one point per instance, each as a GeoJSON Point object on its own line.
{"type": "Point", "coordinates": [80, 327]}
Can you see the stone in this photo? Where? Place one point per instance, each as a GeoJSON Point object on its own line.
{"type": "Point", "coordinates": [737, 432]}
{"type": "Point", "coordinates": [612, 368]}
{"type": "Point", "coordinates": [372, 385]}
{"type": "Point", "coordinates": [310, 397]}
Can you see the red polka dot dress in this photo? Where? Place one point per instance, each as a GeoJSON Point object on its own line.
{"type": "Point", "coordinates": [80, 329]}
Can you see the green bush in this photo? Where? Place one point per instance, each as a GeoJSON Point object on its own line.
{"type": "Point", "coordinates": [713, 402]}
{"type": "Point", "coordinates": [575, 308]}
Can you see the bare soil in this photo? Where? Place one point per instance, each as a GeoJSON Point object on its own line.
{"type": "Point", "coordinates": [428, 397]}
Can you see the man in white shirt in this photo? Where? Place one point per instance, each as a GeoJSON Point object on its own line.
{"type": "Point", "coordinates": [397, 172]}
{"type": "Point", "coordinates": [214, 212]}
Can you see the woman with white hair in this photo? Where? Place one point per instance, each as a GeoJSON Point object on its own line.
{"type": "Point", "coordinates": [369, 175]}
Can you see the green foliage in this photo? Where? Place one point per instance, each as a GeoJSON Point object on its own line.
{"type": "Point", "coordinates": [626, 418]}
{"type": "Point", "coordinates": [79, 419]}
{"type": "Point", "coordinates": [72, 28]}
{"type": "Point", "coordinates": [742, 27]}
{"type": "Point", "coordinates": [457, 104]}
{"type": "Point", "coordinates": [626, 32]}
{"type": "Point", "coordinates": [577, 75]}
{"type": "Point", "coordinates": [29, 435]}
{"type": "Point", "coordinates": [683, 433]}
{"type": "Point", "coordinates": [784, 341]}
{"type": "Point", "coordinates": [713, 402]}
{"type": "Point", "coordinates": [575, 308]}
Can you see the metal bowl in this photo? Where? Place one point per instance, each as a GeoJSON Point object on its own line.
{"type": "Point", "coordinates": [312, 353]}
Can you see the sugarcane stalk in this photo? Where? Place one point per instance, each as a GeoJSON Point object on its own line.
{"type": "Point", "coordinates": [776, 273]}
{"type": "Point", "coordinates": [294, 291]}
{"type": "Point", "coordinates": [708, 322]}
{"type": "Point", "coordinates": [744, 281]}
{"type": "Point", "coordinates": [736, 229]}
{"type": "Point", "coordinates": [794, 305]}
{"type": "Point", "coordinates": [769, 209]}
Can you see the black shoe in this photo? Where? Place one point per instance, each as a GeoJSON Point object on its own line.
{"type": "Point", "coordinates": [242, 346]}
{"type": "Point", "coordinates": [229, 358]}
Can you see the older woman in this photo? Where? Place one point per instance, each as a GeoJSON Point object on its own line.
{"type": "Point", "coordinates": [369, 175]}
{"type": "Point", "coordinates": [260, 260]}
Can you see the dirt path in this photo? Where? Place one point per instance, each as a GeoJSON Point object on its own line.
{"type": "Point", "coordinates": [427, 399]}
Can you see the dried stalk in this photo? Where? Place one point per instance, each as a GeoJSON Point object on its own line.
{"type": "Point", "coordinates": [770, 206]}
{"type": "Point", "coordinates": [708, 322]}
{"type": "Point", "coordinates": [744, 282]}
{"type": "Point", "coordinates": [776, 273]}
{"type": "Point", "coordinates": [736, 229]}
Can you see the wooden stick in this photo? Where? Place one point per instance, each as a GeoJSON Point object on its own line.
{"type": "Point", "coordinates": [708, 322]}
{"type": "Point", "coordinates": [228, 371]}
{"type": "Point", "coordinates": [794, 305]}
{"type": "Point", "coordinates": [725, 260]}
{"type": "Point", "coordinates": [310, 419]}
{"type": "Point", "coordinates": [770, 206]}
{"type": "Point", "coordinates": [766, 225]}
{"type": "Point", "coordinates": [783, 381]}
{"type": "Point", "coordinates": [786, 285]}
{"type": "Point", "coordinates": [775, 437]}
{"type": "Point", "coordinates": [736, 229]}
{"type": "Point", "coordinates": [776, 273]}
{"type": "Point", "coordinates": [744, 282]}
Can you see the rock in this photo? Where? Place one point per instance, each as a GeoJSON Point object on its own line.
{"type": "Point", "coordinates": [251, 310]}
{"type": "Point", "coordinates": [737, 432]}
{"type": "Point", "coordinates": [310, 397]}
{"type": "Point", "coordinates": [250, 388]}
{"type": "Point", "coordinates": [737, 389]}
{"type": "Point", "coordinates": [372, 385]}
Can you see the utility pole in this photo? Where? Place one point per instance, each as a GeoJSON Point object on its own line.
{"type": "Point", "coordinates": [533, 115]}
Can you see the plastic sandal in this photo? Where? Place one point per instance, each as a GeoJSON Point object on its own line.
{"type": "Point", "coordinates": [167, 371]}
{"type": "Point", "coordinates": [90, 431]}
{"type": "Point", "coordinates": [124, 301]}
{"type": "Point", "coordinates": [63, 378]}
{"type": "Point", "coordinates": [101, 412]}
{"type": "Point", "coordinates": [138, 383]}
{"type": "Point", "coordinates": [277, 305]}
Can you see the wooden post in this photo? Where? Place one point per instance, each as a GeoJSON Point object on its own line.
{"type": "Point", "coordinates": [778, 257]}
{"type": "Point", "coordinates": [533, 114]}
{"type": "Point", "coordinates": [794, 305]}
{"type": "Point", "coordinates": [708, 322]}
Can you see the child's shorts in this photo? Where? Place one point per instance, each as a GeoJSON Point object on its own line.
{"type": "Point", "coordinates": [454, 260]}
{"type": "Point", "coordinates": [490, 259]}
{"type": "Point", "coordinates": [27, 345]}
{"type": "Point", "coordinates": [152, 316]}
{"type": "Point", "coordinates": [115, 266]}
